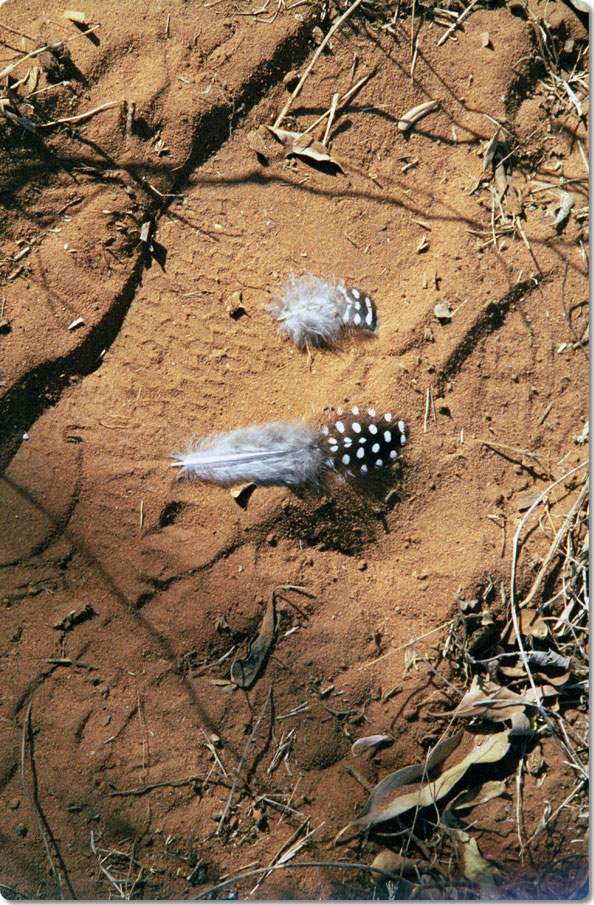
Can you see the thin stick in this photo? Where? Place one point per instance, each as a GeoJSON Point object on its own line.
{"type": "Point", "coordinates": [426, 413]}
{"type": "Point", "coordinates": [555, 545]}
{"type": "Point", "coordinates": [142, 790]}
{"type": "Point", "coordinates": [395, 650]}
{"type": "Point", "coordinates": [537, 698]}
{"type": "Point", "coordinates": [335, 98]}
{"type": "Point", "coordinates": [312, 62]}
{"type": "Point", "coordinates": [521, 452]}
{"type": "Point", "coordinates": [76, 119]}
{"type": "Point", "coordinates": [261, 870]}
{"type": "Point", "coordinates": [40, 818]}
{"type": "Point", "coordinates": [35, 53]}
{"type": "Point", "coordinates": [242, 761]}
{"type": "Point", "coordinates": [343, 100]}
{"type": "Point", "coordinates": [455, 24]}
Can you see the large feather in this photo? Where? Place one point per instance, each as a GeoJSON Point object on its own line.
{"type": "Point", "coordinates": [265, 454]}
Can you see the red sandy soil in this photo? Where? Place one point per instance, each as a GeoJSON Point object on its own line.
{"type": "Point", "coordinates": [165, 577]}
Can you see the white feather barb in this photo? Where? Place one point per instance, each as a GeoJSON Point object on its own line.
{"type": "Point", "coordinates": [314, 312]}
{"type": "Point", "coordinates": [288, 455]}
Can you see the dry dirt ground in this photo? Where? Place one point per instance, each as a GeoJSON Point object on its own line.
{"type": "Point", "coordinates": [126, 594]}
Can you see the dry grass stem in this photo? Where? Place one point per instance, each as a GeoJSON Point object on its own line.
{"type": "Point", "coordinates": [312, 62]}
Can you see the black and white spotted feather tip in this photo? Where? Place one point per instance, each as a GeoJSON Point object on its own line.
{"type": "Point", "coordinates": [361, 443]}
{"type": "Point", "coordinates": [315, 312]}
{"type": "Point", "coordinates": [294, 454]}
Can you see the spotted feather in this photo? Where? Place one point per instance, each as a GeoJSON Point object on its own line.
{"type": "Point", "coordinates": [360, 443]}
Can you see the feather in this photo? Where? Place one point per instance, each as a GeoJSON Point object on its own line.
{"type": "Point", "coordinates": [284, 454]}
{"type": "Point", "coordinates": [294, 454]}
{"type": "Point", "coordinates": [360, 443]}
{"type": "Point", "coordinates": [314, 312]}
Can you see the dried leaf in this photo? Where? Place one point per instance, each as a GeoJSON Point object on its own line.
{"type": "Point", "coordinates": [381, 807]}
{"type": "Point", "coordinates": [393, 863]}
{"type": "Point", "coordinates": [411, 774]}
{"type": "Point", "coordinates": [475, 867]}
{"type": "Point", "coordinates": [443, 310]}
{"type": "Point", "coordinates": [535, 761]}
{"type": "Point", "coordinates": [473, 797]}
{"type": "Point", "coordinates": [242, 494]}
{"type": "Point", "coordinates": [487, 699]}
{"type": "Point", "coordinates": [490, 150]}
{"type": "Point", "coordinates": [413, 116]}
{"type": "Point", "coordinates": [520, 724]}
{"type": "Point", "coordinates": [244, 672]}
{"type": "Point", "coordinates": [304, 145]}
{"type": "Point", "coordinates": [370, 741]}
{"type": "Point", "coordinates": [548, 658]}
{"type": "Point", "coordinates": [501, 181]}
{"type": "Point", "coordinates": [75, 16]}
{"type": "Point", "coordinates": [532, 625]}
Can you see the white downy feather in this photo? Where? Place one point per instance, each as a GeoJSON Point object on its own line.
{"type": "Point", "coordinates": [266, 454]}
{"type": "Point", "coordinates": [314, 312]}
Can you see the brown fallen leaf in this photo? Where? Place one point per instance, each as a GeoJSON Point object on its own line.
{"type": "Point", "coordinates": [487, 699]}
{"type": "Point", "coordinates": [501, 181]}
{"type": "Point", "coordinates": [394, 863]}
{"type": "Point", "coordinates": [490, 150]}
{"type": "Point", "coordinates": [244, 672]}
{"type": "Point", "coordinates": [532, 625]}
{"type": "Point", "coordinates": [481, 795]}
{"type": "Point", "coordinates": [302, 144]}
{"type": "Point", "coordinates": [382, 806]}
{"type": "Point", "coordinates": [475, 867]}
{"type": "Point", "coordinates": [410, 774]}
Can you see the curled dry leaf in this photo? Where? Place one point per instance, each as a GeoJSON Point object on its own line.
{"type": "Point", "coordinates": [393, 863]}
{"type": "Point", "coordinates": [501, 181]}
{"type": "Point", "coordinates": [490, 150]}
{"type": "Point", "coordinates": [487, 699]}
{"type": "Point", "coordinates": [406, 775]}
{"type": "Point", "coordinates": [370, 741]}
{"type": "Point", "coordinates": [546, 658]}
{"type": "Point", "coordinates": [532, 625]}
{"type": "Point", "coordinates": [305, 145]}
{"type": "Point", "coordinates": [383, 805]}
{"type": "Point", "coordinates": [413, 116]}
{"type": "Point", "coordinates": [476, 868]}
{"type": "Point", "coordinates": [244, 672]}
{"type": "Point", "coordinates": [242, 494]}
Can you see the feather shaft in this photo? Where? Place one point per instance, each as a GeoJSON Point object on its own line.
{"type": "Point", "coordinates": [268, 454]}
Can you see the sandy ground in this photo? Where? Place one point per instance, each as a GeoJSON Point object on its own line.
{"type": "Point", "coordinates": [125, 593]}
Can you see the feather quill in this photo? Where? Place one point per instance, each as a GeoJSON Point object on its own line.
{"type": "Point", "coordinates": [314, 312]}
{"type": "Point", "coordinates": [265, 454]}
{"type": "Point", "coordinates": [294, 454]}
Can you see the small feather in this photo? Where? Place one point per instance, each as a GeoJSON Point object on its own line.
{"type": "Point", "coordinates": [288, 455]}
{"type": "Point", "coordinates": [314, 312]}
